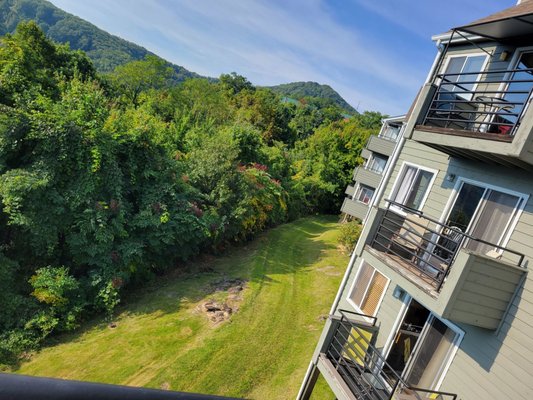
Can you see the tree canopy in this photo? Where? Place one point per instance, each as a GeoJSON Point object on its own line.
{"type": "Point", "coordinates": [107, 180]}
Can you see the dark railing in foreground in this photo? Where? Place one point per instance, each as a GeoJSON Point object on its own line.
{"type": "Point", "coordinates": [363, 368]}
{"type": "Point", "coordinates": [427, 245]}
{"type": "Point", "coordinates": [475, 102]}
{"type": "Point", "coordinates": [22, 387]}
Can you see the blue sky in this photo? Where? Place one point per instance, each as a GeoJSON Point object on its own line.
{"type": "Point", "coordinates": [375, 53]}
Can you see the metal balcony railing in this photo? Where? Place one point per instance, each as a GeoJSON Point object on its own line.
{"type": "Point", "coordinates": [426, 245]}
{"type": "Point", "coordinates": [378, 169]}
{"type": "Point", "coordinates": [488, 102]}
{"type": "Point", "coordinates": [353, 353]}
{"type": "Point", "coordinates": [390, 133]}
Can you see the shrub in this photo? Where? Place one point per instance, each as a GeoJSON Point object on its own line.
{"type": "Point", "coordinates": [349, 234]}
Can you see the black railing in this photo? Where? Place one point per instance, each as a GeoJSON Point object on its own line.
{"type": "Point", "coordinates": [35, 388]}
{"type": "Point", "coordinates": [428, 246]}
{"type": "Point", "coordinates": [363, 368]}
{"type": "Point", "coordinates": [489, 102]}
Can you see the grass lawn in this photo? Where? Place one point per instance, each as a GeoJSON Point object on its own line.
{"type": "Point", "coordinates": [162, 340]}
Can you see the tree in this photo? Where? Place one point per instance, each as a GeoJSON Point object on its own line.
{"type": "Point", "coordinates": [31, 64]}
{"type": "Point", "coordinates": [264, 110]}
{"type": "Point", "coordinates": [325, 160]}
{"type": "Point", "coordinates": [235, 83]}
{"type": "Point", "coordinates": [137, 76]}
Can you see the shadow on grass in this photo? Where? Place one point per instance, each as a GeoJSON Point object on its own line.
{"type": "Point", "coordinates": [285, 249]}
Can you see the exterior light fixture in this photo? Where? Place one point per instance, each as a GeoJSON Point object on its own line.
{"type": "Point", "coordinates": [504, 55]}
{"type": "Point", "coordinates": [450, 177]}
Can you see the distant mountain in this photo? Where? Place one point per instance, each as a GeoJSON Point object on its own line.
{"type": "Point", "coordinates": [108, 51]}
{"type": "Point", "coordinates": [298, 90]}
{"type": "Point", "coordinates": [105, 50]}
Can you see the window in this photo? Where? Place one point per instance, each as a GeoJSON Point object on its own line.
{"type": "Point", "coordinates": [427, 364]}
{"type": "Point", "coordinates": [486, 213]}
{"type": "Point", "coordinates": [390, 132]}
{"type": "Point", "coordinates": [463, 65]}
{"type": "Point", "coordinates": [368, 289]}
{"type": "Point", "coordinates": [363, 194]}
{"type": "Point", "coordinates": [517, 92]}
{"type": "Point", "coordinates": [412, 187]}
{"type": "Point", "coordinates": [422, 346]}
{"type": "Point", "coordinates": [377, 163]}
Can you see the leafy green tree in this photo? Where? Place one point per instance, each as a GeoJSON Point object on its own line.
{"type": "Point", "coordinates": [31, 64]}
{"type": "Point", "coordinates": [370, 119]}
{"type": "Point", "coordinates": [103, 184]}
{"type": "Point", "coordinates": [136, 77]}
{"type": "Point", "coordinates": [323, 163]}
{"type": "Point", "coordinates": [235, 83]}
{"type": "Point", "coordinates": [264, 110]}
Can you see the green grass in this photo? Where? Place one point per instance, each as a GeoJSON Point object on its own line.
{"type": "Point", "coordinates": [262, 352]}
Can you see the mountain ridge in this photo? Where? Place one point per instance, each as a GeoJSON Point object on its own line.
{"type": "Point", "coordinates": [303, 89]}
{"type": "Point", "coordinates": [108, 51]}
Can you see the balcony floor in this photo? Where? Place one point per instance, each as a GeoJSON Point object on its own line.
{"type": "Point", "coordinates": [465, 133]}
{"type": "Point", "coordinates": [406, 269]}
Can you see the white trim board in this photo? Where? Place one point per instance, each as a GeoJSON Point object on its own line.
{"type": "Point", "coordinates": [400, 175]}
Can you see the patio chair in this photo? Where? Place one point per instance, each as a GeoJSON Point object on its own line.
{"type": "Point", "coordinates": [438, 260]}
{"type": "Point", "coordinates": [411, 236]}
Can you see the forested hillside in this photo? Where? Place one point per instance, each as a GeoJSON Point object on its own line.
{"type": "Point", "coordinates": [106, 180]}
{"type": "Point", "coordinates": [108, 51]}
{"type": "Point", "coordinates": [105, 50]}
{"type": "Point", "coordinates": [300, 90]}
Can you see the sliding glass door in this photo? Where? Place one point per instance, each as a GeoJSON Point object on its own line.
{"type": "Point", "coordinates": [429, 360]}
{"type": "Point", "coordinates": [422, 347]}
{"type": "Point", "coordinates": [483, 213]}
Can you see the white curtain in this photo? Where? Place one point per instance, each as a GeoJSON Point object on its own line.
{"type": "Point", "coordinates": [494, 214]}
{"type": "Point", "coordinates": [405, 185]}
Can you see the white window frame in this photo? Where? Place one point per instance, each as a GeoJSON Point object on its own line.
{"type": "Point", "coordinates": [513, 63]}
{"type": "Point", "coordinates": [452, 353]}
{"type": "Point", "coordinates": [398, 129]}
{"type": "Point", "coordinates": [473, 54]}
{"type": "Point", "coordinates": [371, 162]}
{"type": "Point", "coordinates": [399, 180]}
{"type": "Point", "coordinates": [511, 225]}
{"type": "Point", "coordinates": [359, 190]}
{"type": "Point", "coordinates": [459, 334]}
{"type": "Point", "coordinates": [354, 283]}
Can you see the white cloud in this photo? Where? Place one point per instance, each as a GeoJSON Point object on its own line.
{"type": "Point", "coordinates": [274, 41]}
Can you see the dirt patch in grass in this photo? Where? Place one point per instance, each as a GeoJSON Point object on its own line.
{"type": "Point", "coordinates": [221, 310]}
{"type": "Point", "coordinates": [329, 270]}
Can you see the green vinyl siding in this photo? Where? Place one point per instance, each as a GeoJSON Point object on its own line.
{"type": "Point", "coordinates": [381, 145]}
{"type": "Point", "coordinates": [489, 364]}
{"type": "Point", "coordinates": [367, 177]}
{"type": "Point", "coordinates": [354, 208]}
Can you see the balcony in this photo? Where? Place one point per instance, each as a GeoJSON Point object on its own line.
{"type": "Point", "coordinates": [367, 176]}
{"type": "Point", "coordinates": [381, 145]}
{"type": "Point", "coordinates": [350, 190]}
{"type": "Point", "coordinates": [481, 115]}
{"type": "Point", "coordinates": [391, 132]}
{"type": "Point", "coordinates": [459, 277]}
{"type": "Point", "coordinates": [351, 360]}
{"type": "Point", "coordinates": [354, 208]}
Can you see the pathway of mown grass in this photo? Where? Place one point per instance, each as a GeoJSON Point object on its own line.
{"type": "Point", "coordinates": [161, 340]}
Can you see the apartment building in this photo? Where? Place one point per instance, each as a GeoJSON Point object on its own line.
{"type": "Point", "coordinates": [368, 176]}
{"type": "Point", "coordinates": [437, 300]}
